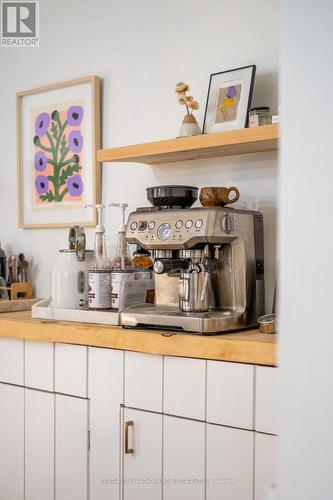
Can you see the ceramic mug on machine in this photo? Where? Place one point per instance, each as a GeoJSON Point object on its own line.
{"type": "Point", "coordinates": [69, 280]}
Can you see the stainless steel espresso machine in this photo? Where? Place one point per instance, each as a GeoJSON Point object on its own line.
{"type": "Point", "coordinates": [208, 268]}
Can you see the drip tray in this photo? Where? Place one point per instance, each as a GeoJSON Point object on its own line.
{"type": "Point", "coordinates": [207, 323]}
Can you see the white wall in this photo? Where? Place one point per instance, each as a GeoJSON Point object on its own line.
{"type": "Point", "coordinates": [141, 49]}
{"type": "Point", "coordinates": [306, 341]}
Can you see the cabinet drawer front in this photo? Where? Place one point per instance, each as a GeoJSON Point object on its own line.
{"type": "Point", "coordinates": [70, 374]}
{"type": "Point", "coordinates": [229, 463]}
{"type": "Point", "coordinates": [185, 387]}
{"type": "Point", "coordinates": [143, 381]}
{"type": "Point", "coordinates": [230, 394]}
{"type": "Point", "coordinates": [39, 365]}
{"type": "Point", "coordinates": [12, 361]}
{"type": "Point", "coordinates": [265, 464]}
{"type": "Point", "coordinates": [266, 414]}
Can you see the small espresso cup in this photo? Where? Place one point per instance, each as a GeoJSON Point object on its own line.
{"type": "Point", "coordinates": [218, 196]}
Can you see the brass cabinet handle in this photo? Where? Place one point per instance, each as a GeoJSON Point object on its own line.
{"type": "Point", "coordinates": [128, 424]}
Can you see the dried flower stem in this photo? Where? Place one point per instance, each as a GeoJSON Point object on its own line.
{"type": "Point", "coordinates": [184, 100]}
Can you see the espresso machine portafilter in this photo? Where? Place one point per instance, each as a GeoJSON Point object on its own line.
{"type": "Point", "coordinates": [208, 268]}
{"type": "Point", "coordinates": [193, 270]}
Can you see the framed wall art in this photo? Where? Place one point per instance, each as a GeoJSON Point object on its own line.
{"type": "Point", "coordinates": [229, 99]}
{"type": "Point", "coordinates": [58, 132]}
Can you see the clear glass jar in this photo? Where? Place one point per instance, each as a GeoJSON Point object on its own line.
{"type": "Point", "coordinates": [260, 116]}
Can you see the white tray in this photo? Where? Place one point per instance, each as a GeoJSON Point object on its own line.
{"type": "Point", "coordinates": [43, 310]}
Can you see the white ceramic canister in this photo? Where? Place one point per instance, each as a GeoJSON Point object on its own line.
{"type": "Point", "coordinates": [69, 280]}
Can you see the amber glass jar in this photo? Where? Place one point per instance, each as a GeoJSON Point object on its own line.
{"type": "Point", "coordinates": [141, 259]}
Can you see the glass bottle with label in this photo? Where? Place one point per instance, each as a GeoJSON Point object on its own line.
{"type": "Point", "coordinates": [100, 270]}
{"type": "Point", "coordinates": [122, 265]}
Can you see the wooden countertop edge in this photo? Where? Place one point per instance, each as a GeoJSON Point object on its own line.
{"type": "Point", "coordinates": [256, 349]}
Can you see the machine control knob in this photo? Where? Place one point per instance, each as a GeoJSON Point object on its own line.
{"type": "Point", "coordinates": [179, 224]}
{"type": "Point", "coordinates": [189, 224]}
{"type": "Point", "coordinates": [142, 225]}
{"type": "Point", "coordinates": [164, 231]}
{"type": "Point", "coordinates": [151, 225]}
{"type": "Point", "coordinates": [228, 223]}
{"type": "Point", "coordinates": [134, 226]}
{"type": "Point", "coordinates": [199, 223]}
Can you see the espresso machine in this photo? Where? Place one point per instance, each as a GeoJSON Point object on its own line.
{"type": "Point", "coordinates": [208, 267]}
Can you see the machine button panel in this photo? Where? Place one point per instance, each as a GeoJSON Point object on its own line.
{"type": "Point", "coordinates": [167, 228]}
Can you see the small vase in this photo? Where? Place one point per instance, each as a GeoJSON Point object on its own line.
{"type": "Point", "coordinates": [189, 126]}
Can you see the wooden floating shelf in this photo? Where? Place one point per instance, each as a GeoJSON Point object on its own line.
{"type": "Point", "coordinates": [229, 143]}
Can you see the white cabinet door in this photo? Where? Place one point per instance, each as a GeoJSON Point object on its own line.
{"type": "Point", "coordinates": [143, 381]}
{"type": "Point", "coordinates": [267, 396]}
{"type": "Point", "coordinates": [71, 448]}
{"type": "Point", "coordinates": [229, 463]}
{"type": "Point", "coordinates": [230, 394]}
{"type": "Point", "coordinates": [39, 445]}
{"type": "Point", "coordinates": [142, 468]}
{"type": "Point", "coordinates": [39, 365]}
{"type": "Point", "coordinates": [183, 459]}
{"type": "Point", "coordinates": [265, 464]}
{"type": "Point", "coordinates": [185, 387]}
{"type": "Point", "coordinates": [12, 361]}
{"type": "Point", "coordinates": [11, 442]}
{"type": "Point", "coordinates": [71, 369]}
{"type": "Point", "coordinates": [106, 395]}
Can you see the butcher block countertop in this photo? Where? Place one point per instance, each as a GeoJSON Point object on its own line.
{"type": "Point", "coordinates": [248, 346]}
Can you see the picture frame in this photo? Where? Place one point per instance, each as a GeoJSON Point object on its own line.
{"type": "Point", "coordinates": [229, 99]}
{"type": "Point", "coordinates": [58, 133]}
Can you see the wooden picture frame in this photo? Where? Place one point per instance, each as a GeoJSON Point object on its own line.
{"type": "Point", "coordinates": [229, 99]}
{"type": "Point", "coordinates": [58, 134]}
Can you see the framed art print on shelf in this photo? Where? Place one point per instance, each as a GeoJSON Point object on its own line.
{"type": "Point", "coordinates": [229, 99]}
{"type": "Point", "coordinates": [58, 133]}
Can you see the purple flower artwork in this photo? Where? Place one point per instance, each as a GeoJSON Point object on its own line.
{"type": "Point", "coordinates": [75, 141]}
{"type": "Point", "coordinates": [74, 185]}
{"type": "Point", "coordinates": [40, 161]}
{"type": "Point", "coordinates": [42, 124]}
{"type": "Point", "coordinates": [74, 115]}
{"type": "Point", "coordinates": [59, 155]}
{"type": "Point", "coordinates": [42, 184]}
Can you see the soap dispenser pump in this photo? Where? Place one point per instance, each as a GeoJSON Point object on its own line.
{"type": "Point", "coordinates": [100, 268]}
{"type": "Point", "coordinates": [122, 265]}
{"type": "Point", "coordinates": [122, 261]}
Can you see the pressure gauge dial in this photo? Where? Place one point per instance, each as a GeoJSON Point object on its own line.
{"type": "Point", "coordinates": [164, 232]}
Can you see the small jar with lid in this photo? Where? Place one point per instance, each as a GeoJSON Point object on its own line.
{"type": "Point", "coordinates": [142, 259]}
{"type": "Point", "coordinates": [260, 116]}
{"type": "Point", "coordinates": [142, 263]}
